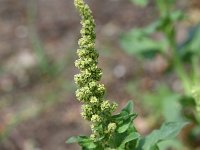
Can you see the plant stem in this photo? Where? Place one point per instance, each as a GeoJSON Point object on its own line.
{"type": "Point", "coordinates": [179, 67]}
{"type": "Point", "coordinates": [195, 68]}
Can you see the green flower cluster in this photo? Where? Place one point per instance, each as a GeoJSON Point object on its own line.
{"type": "Point", "coordinates": [95, 108]}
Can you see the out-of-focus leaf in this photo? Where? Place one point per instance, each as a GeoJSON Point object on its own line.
{"type": "Point", "coordinates": [194, 135]}
{"type": "Point", "coordinates": [165, 6]}
{"type": "Point", "coordinates": [171, 108]}
{"type": "Point", "coordinates": [153, 99]}
{"type": "Point", "coordinates": [194, 45]}
{"type": "Point", "coordinates": [153, 27]}
{"type": "Point", "coordinates": [167, 131]}
{"type": "Point", "coordinates": [163, 102]}
{"type": "Point", "coordinates": [191, 46]}
{"type": "Point", "coordinates": [177, 15]}
{"type": "Point", "coordinates": [187, 101]}
{"type": "Point", "coordinates": [137, 42]}
{"type": "Point", "coordinates": [72, 140]}
{"type": "Point", "coordinates": [140, 2]}
{"type": "Point", "coordinates": [155, 147]}
{"type": "Point", "coordinates": [188, 107]}
{"type": "Point", "coordinates": [170, 144]}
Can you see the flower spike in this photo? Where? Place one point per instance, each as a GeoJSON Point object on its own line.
{"type": "Point", "coordinates": [90, 92]}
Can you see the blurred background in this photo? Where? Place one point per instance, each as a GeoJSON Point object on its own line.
{"type": "Point", "coordinates": [38, 42]}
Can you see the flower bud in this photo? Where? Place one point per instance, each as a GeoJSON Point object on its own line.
{"type": "Point", "coordinates": [112, 127]}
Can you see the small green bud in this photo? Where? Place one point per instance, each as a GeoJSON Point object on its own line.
{"type": "Point", "coordinates": [85, 63]}
{"type": "Point", "coordinates": [84, 53]}
{"type": "Point", "coordinates": [105, 105]}
{"type": "Point", "coordinates": [83, 94]}
{"type": "Point", "coordinates": [112, 127]}
{"type": "Point", "coordinates": [94, 100]}
{"type": "Point", "coordinates": [92, 127]}
{"type": "Point", "coordinates": [87, 112]}
{"type": "Point", "coordinates": [114, 106]}
{"type": "Point", "coordinates": [100, 90]}
{"type": "Point", "coordinates": [93, 137]}
{"type": "Point", "coordinates": [84, 115]}
{"type": "Point", "coordinates": [96, 119]}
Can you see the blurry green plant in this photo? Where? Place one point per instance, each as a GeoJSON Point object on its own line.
{"type": "Point", "coordinates": [140, 43]}
{"type": "Point", "coordinates": [109, 132]}
{"type": "Point", "coordinates": [45, 65]}
{"type": "Point", "coordinates": [183, 59]}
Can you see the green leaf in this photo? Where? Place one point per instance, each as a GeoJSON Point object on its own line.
{"type": "Point", "coordinates": [125, 117]}
{"type": "Point", "coordinates": [84, 142]}
{"type": "Point", "coordinates": [138, 42]}
{"type": "Point", "coordinates": [141, 3]}
{"type": "Point", "coordinates": [125, 125]}
{"type": "Point", "coordinates": [187, 101]}
{"type": "Point", "coordinates": [190, 47]}
{"type": "Point", "coordinates": [132, 136]}
{"type": "Point", "coordinates": [165, 6]}
{"type": "Point", "coordinates": [171, 108]}
{"type": "Point", "coordinates": [155, 147]}
{"type": "Point", "coordinates": [171, 144]}
{"type": "Point", "coordinates": [73, 139]}
{"type": "Point", "coordinates": [177, 15]}
{"type": "Point", "coordinates": [125, 113]}
{"type": "Point", "coordinates": [128, 107]}
{"type": "Point", "coordinates": [188, 107]}
{"type": "Point", "coordinates": [163, 103]}
{"type": "Point", "coordinates": [167, 131]}
{"type": "Point", "coordinates": [117, 139]}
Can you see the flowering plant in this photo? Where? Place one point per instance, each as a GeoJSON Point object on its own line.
{"type": "Point", "coordinates": [109, 132]}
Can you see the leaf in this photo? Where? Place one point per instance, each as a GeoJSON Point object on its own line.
{"type": "Point", "coordinates": [83, 141]}
{"type": "Point", "coordinates": [177, 16]}
{"type": "Point", "coordinates": [167, 131]}
{"type": "Point", "coordinates": [128, 107]}
{"type": "Point", "coordinates": [171, 144]}
{"type": "Point", "coordinates": [124, 126]}
{"type": "Point", "coordinates": [117, 139]}
{"type": "Point", "coordinates": [190, 47]}
{"type": "Point", "coordinates": [125, 113]}
{"type": "Point", "coordinates": [187, 101]}
{"type": "Point", "coordinates": [163, 103]}
{"type": "Point", "coordinates": [155, 147]}
{"type": "Point", "coordinates": [195, 44]}
{"type": "Point", "coordinates": [164, 6]}
{"type": "Point", "coordinates": [171, 108]}
{"type": "Point", "coordinates": [153, 27]}
{"type": "Point", "coordinates": [132, 136]}
{"type": "Point", "coordinates": [125, 117]}
{"type": "Point", "coordinates": [188, 107]}
{"type": "Point", "coordinates": [141, 3]}
{"type": "Point", "coordinates": [138, 42]}
{"type": "Point", "coordinates": [73, 139]}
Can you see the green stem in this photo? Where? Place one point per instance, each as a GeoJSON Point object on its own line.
{"type": "Point", "coordinates": [179, 67]}
{"type": "Point", "coordinates": [37, 46]}
{"type": "Point", "coordinates": [195, 68]}
{"type": "Point", "coordinates": [181, 71]}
